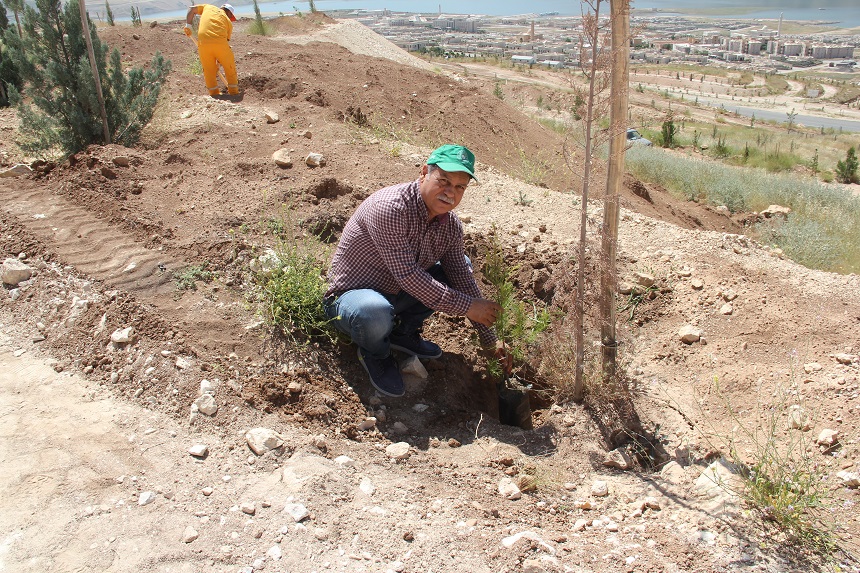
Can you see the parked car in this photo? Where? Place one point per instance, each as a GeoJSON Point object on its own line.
{"type": "Point", "coordinates": [636, 138]}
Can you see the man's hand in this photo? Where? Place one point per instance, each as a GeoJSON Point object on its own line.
{"type": "Point", "coordinates": [187, 30]}
{"type": "Point", "coordinates": [483, 311]}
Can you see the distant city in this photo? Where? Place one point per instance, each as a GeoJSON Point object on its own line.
{"type": "Point", "coordinates": [551, 40]}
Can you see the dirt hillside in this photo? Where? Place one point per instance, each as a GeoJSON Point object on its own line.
{"type": "Point", "coordinates": [96, 433]}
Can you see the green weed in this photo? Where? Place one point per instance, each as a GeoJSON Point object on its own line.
{"type": "Point", "coordinates": [187, 278]}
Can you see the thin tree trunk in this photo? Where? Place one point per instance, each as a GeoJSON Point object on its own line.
{"type": "Point", "coordinates": [579, 309]}
{"type": "Point", "coordinates": [620, 22]}
{"type": "Point", "coordinates": [86, 26]}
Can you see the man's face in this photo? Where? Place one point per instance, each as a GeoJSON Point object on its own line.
{"type": "Point", "coordinates": [442, 190]}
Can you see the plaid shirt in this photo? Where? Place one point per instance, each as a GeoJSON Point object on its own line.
{"type": "Point", "coordinates": [388, 245]}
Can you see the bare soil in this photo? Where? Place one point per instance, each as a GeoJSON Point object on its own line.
{"type": "Point", "coordinates": [88, 427]}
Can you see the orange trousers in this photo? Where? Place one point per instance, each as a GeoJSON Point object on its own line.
{"type": "Point", "coordinates": [212, 54]}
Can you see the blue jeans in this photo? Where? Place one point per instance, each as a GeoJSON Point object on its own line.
{"type": "Point", "coordinates": [369, 317]}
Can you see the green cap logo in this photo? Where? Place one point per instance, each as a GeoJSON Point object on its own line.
{"type": "Point", "coordinates": [453, 158]}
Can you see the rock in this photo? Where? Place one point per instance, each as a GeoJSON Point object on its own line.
{"type": "Point", "coordinates": [625, 287]}
{"type": "Point", "coordinates": [776, 211]}
{"type": "Point", "coordinates": [14, 271]}
{"type": "Point", "coordinates": [125, 335]}
{"type": "Point", "coordinates": [599, 489]}
{"type": "Point", "coordinates": [644, 279]}
{"type": "Point", "coordinates": [272, 117]}
{"type": "Point", "coordinates": [182, 363]}
{"type": "Point", "coordinates": [367, 486]}
{"type": "Point", "coordinates": [344, 461]}
{"type": "Point", "coordinates": [618, 458]}
{"type": "Point", "coordinates": [526, 482]}
{"type": "Point", "coordinates": [248, 507]}
{"type": "Point", "coordinates": [508, 489]}
{"type": "Point", "coordinates": [533, 566]}
{"type": "Point", "coordinates": [199, 450]}
{"type": "Point", "coordinates": [207, 387]}
{"type": "Point", "coordinates": [413, 367]}
{"type": "Point", "coordinates": [315, 160]}
{"type": "Point", "coordinates": [844, 358]}
{"type": "Point", "coordinates": [812, 367]}
{"type": "Point", "coordinates": [726, 309]}
{"type": "Point", "coordinates": [719, 479]}
{"type": "Point", "coordinates": [297, 511]}
{"type": "Point", "coordinates": [206, 405]}
{"type": "Point", "coordinates": [580, 524]}
{"type": "Point", "coordinates": [697, 284]}
{"type": "Point", "coordinates": [121, 161]}
{"type": "Point", "coordinates": [798, 419]}
{"type": "Point", "coordinates": [849, 479]}
{"type": "Point", "coordinates": [828, 438]}
{"type": "Point", "coordinates": [583, 504]}
{"type": "Point", "coordinates": [261, 440]}
{"type": "Point", "coordinates": [399, 427]}
{"type": "Point", "coordinates": [16, 171]}
{"type": "Point", "coordinates": [108, 173]}
{"type": "Point", "coordinates": [689, 334]}
{"type": "Point", "coordinates": [398, 450]}
{"type": "Point", "coordinates": [295, 387]}
{"type": "Point", "coordinates": [266, 263]}
{"type": "Point", "coordinates": [651, 503]}
{"type": "Point", "coordinates": [307, 134]}
{"type": "Point", "coordinates": [275, 553]}
{"type": "Point", "coordinates": [189, 535]}
{"type": "Point", "coordinates": [729, 295]}
{"type": "Point", "coordinates": [282, 158]}
{"type": "Point", "coordinates": [146, 498]}
{"type": "Point", "coordinates": [367, 424]}
{"type": "Point", "coordinates": [512, 540]}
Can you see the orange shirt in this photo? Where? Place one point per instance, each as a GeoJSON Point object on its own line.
{"type": "Point", "coordinates": [214, 26]}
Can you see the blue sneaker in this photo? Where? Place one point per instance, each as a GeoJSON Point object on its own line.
{"type": "Point", "coordinates": [414, 345]}
{"type": "Point", "coordinates": [384, 374]}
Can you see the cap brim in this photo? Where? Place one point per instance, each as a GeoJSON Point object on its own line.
{"type": "Point", "coordinates": [230, 15]}
{"type": "Point", "coordinates": [454, 167]}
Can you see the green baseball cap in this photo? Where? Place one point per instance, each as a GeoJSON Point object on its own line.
{"type": "Point", "coordinates": [453, 158]}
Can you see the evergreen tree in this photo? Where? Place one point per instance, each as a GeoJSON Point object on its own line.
{"type": "Point", "coordinates": [135, 17]}
{"type": "Point", "coordinates": [4, 19]}
{"type": "Point", "coordinates": [109, 13]}
{"type": "Point", "coordinates": [9, 76]}
{"type": "Point", "coordinates": [64, 112]}
{"type": "Point", "coordinates": [846, 171]}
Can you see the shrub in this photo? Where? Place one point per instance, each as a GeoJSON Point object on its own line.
{"type": "Point", "coordinates": [846, 171]}
{"type": "Point", "coordinates": [668, 133]}
{"type": "Point", "coordinates": [65, 115]}
{"type": "Point", "coordinates": [109, 14]}
{"type": "Point", "coordinates": [291, 292]}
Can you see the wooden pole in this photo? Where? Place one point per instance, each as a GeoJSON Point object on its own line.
{"type": "Point", "coordinates": [85, 24]}
{"type": "Point", "coordinates": [620, 23]}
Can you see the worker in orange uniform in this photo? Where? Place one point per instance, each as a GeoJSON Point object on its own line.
{"type": "Point", "coordinates": [213, 33]}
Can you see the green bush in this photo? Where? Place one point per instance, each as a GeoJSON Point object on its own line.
{"type": "Point", "coordinates": [64, 112]}
{"type": "Point", "coordinates": [846, 171]}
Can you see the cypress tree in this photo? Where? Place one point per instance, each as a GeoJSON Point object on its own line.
{"type": "Point", "coordinates": [109, 13]}
{"type": "Point", "coordinates": [64, 115]}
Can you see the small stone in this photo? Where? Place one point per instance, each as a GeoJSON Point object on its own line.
{"type": "Point", "coordinates": [282, 158]}
{"type": "Point", "coordinates": [146, 498]}
{"type": "Point", "coordinates": [123, 335]}
{"type": "Point", "coordinates": [509, 490]}
{"type": "Point", "coordinates": [849, 479]}
{"type": "Point", "coordinates": [182, 363]}
{"type": "Point", "coordinates": [583, 504]}
{"type": "Point", "coordinates": [297, 511]}
{"type": "Point", "coordinates": [272, 117]}
{"type": "Point", "coordinates": [189, 535]}
{"type": "Point", "coordinates": [206, 405]}
{"type": "Point", "coordinates": [828, 438]}
{"type": "Point", "coordinates": [618, 458]}
{"type": "Point", "coordinates": [726, 309]}
{"type": "Point", "coordinates": [697, 284]}
{"type": "Point", "coordinates": [454, 443]}
{"type": "Point", "coordinates": [844, 358]}
{"type": "Point", "coordinates": [207, 491]}
{"type": "Point", "coordinates": [248, 507]}
{"type": "Point", "coordinates": [398, 450]}
{"type": "Point", "coordinates": [812, 367]}
{"type": "Point", "coordinates": [315, 160]}
{"type": "Point", "coordinates": [199, 450]}
{"type": "Point", "coordinates": [599, 489]}
{"type": "Point", "coordinates": [261, 440]}
{"type": "Point", "coordinates": [798, 418]}
{"type": "Point", "coordinates": [121, 161]}
{"type": "Point", "coordinates": [367, 424]}
{"type": "Point", "coordinates": [14, 271]}
{"type": "Point", "coordinates": [580, 524]}
{"type": "Point", "coordinates": [689, 334]}
{"type": "Point", "coordinates": [413, 367]}
{"type": "Point", "coordinates": [344, 461]}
